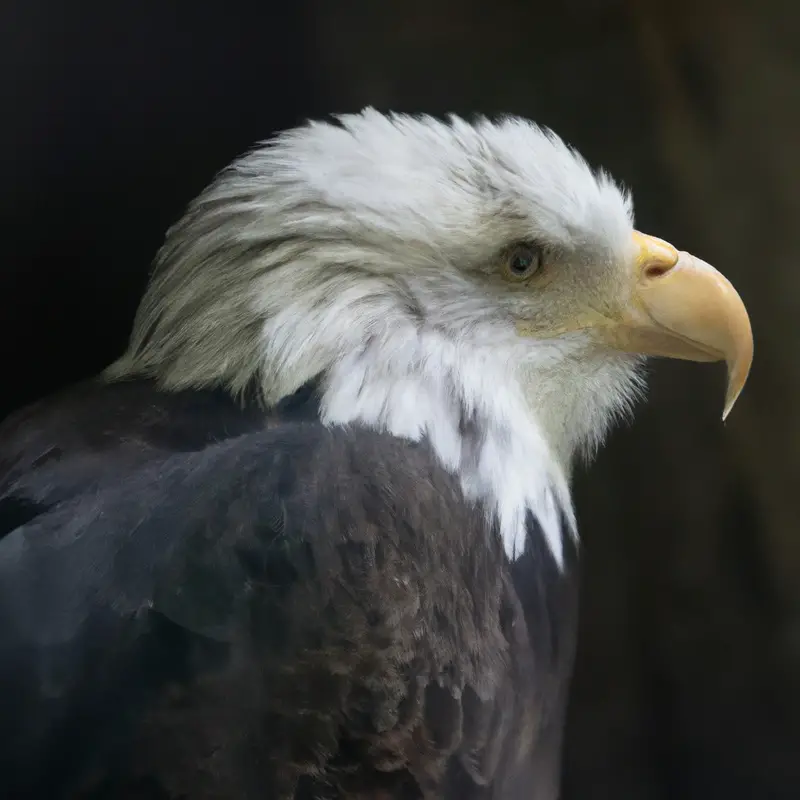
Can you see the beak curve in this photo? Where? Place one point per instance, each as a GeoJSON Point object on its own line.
{"type": "Point", "coordinates": [681, 307]}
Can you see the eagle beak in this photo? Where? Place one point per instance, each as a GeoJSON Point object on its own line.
{"type": "Point", "coordinates": [683, 308]}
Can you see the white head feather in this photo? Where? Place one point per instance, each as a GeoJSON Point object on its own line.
{"type": "Point", "coordinates": [365, 253]}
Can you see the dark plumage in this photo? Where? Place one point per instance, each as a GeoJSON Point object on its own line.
{"type": "Point", "coordinates": [179, 578]}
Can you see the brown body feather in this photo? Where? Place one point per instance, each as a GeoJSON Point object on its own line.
{"type": "Point", "coordinates": [244, 607]}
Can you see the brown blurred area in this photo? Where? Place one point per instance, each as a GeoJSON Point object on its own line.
{"type": "Point", "coordinates": [688, 676]}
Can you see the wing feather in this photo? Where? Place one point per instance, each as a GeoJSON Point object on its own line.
{"type": "Point", "coordinates": [280, 610]}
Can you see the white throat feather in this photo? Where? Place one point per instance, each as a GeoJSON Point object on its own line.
{"type": "Point", "coordinates": [469, 406]}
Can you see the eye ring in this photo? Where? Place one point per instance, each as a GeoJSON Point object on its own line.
{"type": "Point", "coordinates": [522, 261]}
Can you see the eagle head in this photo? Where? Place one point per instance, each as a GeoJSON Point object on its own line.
{"type": "Point", "coordinates": [473, 285]}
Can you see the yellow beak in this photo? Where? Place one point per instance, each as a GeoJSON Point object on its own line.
{"type": "Point", "coordinates": [683, 308]}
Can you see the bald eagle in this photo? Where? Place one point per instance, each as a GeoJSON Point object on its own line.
{"type": "Point", "coordinates": [311, 536]}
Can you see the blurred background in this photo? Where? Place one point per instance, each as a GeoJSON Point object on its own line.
{"type": "Point", "coordinates": [115, 114]}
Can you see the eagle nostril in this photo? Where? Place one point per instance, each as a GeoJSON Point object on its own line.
{"type": "Point", "coordinates": [656, 270]}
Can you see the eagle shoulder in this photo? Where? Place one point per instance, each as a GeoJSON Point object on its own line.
{"type": "Point", "coordinates": [291, 609]}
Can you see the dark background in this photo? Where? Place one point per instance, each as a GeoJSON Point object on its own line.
{"type": "Point", "coordinates": [114, 114]}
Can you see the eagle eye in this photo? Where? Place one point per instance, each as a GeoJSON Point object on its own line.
{"type": "Point", "coordinates": [522, 261]}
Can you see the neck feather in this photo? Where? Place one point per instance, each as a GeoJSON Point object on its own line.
{"type": "Point", "coordinates": [471, 409]}
{"type": "Point", "coordinates": [495, 414]}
